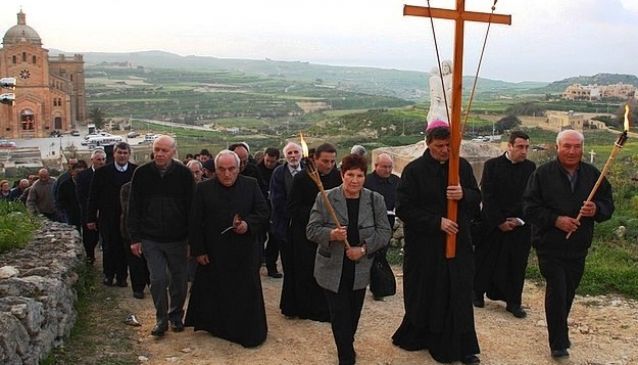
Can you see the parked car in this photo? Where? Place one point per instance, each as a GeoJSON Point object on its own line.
{"type": "Point", "coordinates": [55, 133]}
{"type": "Point", "coordinates": [75, 133]}
{"type": "Point", "coordinates": [132, 134]}
{"type": "Point", "coordinates": [7, 144]}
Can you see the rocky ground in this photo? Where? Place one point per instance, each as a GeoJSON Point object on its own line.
{"type": "Point", "coordinates": [604, 330]}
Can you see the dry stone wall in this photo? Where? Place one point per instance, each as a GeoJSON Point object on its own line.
{"type": "Point", "coordinates": [36, 295]}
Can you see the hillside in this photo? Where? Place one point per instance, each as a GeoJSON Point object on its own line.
{"type": "Point", "coordinates": [600, 79]}
{"type": "Point", "coordinates": [409, 85]}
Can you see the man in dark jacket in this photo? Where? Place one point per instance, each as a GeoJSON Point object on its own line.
{"type": "Point", "coordinates": [437, 291]}
{"type": "Point", "coordinates": [266, 168]}
{"type": "Point", "coordinates": [384, 182]}
{"type": "Point", "coordinates": [159, 206]}
{"type": "Point", "coordinates": [306, 300]}
{"type": "Point", "coordinates": [501, 258]}
{"type": "Point", "coordinates": [226, 296]}
{"type": "Point", "coordinates": [556, 193]}
{"type": "Point", "coordinates": [104, 210]}
{"type": "Point", "coordinates": [90, 237]}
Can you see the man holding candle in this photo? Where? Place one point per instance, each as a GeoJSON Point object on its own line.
{"type": "Point", "coordinates": [556, 193]}
{"type": "Point", "coordinates": [307, 300]}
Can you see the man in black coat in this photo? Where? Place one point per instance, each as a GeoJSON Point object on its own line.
{"type": "Point", "coordinates": [307, 300]}
{"type": "Point", "coordinates": [90, 237]}
{"type": "Point", "coordinates": [280, 187]}
{"type": "Point", "coordinates": [159, 209]}
{"type": "Point", "coordinates": [384, 182]}
{"type": "Point", "coordinates": [266, 168]}
{"type": "Point", "coordinates": [556, 194]}
{"type": "Point", "coordinates": [501, 257]}
{"type": "Point", "coordinates": [437, 291]}
{"type": "Point", "coordinates": [104, 210]}
{"type": "Point", "coordinates": [226, 296]}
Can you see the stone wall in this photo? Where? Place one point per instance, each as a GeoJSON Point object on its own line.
{"type": "Point", "coordinates": [36, 295]}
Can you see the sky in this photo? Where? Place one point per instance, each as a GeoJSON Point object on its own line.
{"type": "Point", "coordinates": [547, 41]}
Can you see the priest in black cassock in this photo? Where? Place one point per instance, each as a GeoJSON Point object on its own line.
{"type": "Point", "coordinates": [501, 256]}
{"type": "Point", "coordinates": [437, 291]}
{"type": "Point", "coordinates": [301, 295]}
{"type": "Point", "coordinates": [226, 297]}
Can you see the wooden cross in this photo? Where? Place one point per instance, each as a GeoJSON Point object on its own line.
{"type": "Point", "coordinates": [460, 16]}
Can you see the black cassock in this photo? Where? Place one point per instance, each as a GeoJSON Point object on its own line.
{"type": "Point", "coordinates": [501, 257]}
{"type": "Point", "coordinates": [437, 292]}
{"type": "Point", "coordinates": [226, 297]}
{"type": "Point", "coordinates": [301, 296]}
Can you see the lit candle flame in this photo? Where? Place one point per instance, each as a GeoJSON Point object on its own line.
{"type": "Point", "coordinates": [304, 146]}
{"type": "Point", "coordinates": [626, 117]}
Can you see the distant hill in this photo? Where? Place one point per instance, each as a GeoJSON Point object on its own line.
{"type": "Point", "coordinates": [409, 85]}
{"type": "Point", "coordinates": [599, 79]}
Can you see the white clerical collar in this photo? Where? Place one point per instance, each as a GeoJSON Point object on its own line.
{"type": "Point", "coordinates": [121, 168]}
{"type": "Point", "coordinates": [294, 170]}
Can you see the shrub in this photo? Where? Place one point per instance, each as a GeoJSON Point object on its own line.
{"type": "Point", "coordinates": [16, 226]}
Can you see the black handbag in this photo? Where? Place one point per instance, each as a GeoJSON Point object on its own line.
{"type": "Point", "coordinates": [382, 282]}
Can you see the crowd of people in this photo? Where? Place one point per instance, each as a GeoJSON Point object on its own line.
{"type": "Point", "coordinates": [215, 220]}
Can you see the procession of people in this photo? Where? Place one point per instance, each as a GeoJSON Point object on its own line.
{"type": "Point", "coordinates": [214, 221]}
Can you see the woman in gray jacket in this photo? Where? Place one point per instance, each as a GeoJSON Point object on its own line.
{"type": "Point", "coordinates": [344, 274]}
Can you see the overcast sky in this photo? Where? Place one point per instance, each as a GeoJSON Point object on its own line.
{"type": "Point", "coordinates": [548, 39]}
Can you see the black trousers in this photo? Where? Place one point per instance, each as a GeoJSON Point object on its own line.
{"type": "Point", "coordinates": [137, 268]}
{"type": "Point", "coordinates": [272, 252]}
{"type": "Point", "coordinates": [90, 239]}
{"type": "Point", "coordinates": [562, 276]}
{"type": "Point", "coordinates": [114, 258]}
{"type": "Point", "coordinates": [345, 310]}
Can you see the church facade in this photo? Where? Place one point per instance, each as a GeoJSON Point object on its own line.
{"type": "Point", "coordinates": [50, 90]}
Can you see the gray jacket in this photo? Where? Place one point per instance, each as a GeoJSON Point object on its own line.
{"type": "Point", "coordinates": [374, 231]}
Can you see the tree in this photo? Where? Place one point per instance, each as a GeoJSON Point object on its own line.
{"type": "Point", "coordinates": [97, 116]}
{"type": "Point", "coordinates": [507, 123]}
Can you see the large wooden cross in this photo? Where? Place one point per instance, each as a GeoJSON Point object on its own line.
{"type": "Point", "coordinates": [460, 16]}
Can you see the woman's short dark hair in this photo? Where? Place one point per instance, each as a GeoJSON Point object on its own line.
{"type": "Point", "coordinates": [353, 162]}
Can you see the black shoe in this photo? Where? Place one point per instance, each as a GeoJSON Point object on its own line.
{"type": "Point", "coordinates": [275, 274]}
{"type": "Point", "coordinates": [517, 312]}
{"type": "Point", "coordinates": [122, 283]}
{"type": "Point", "coordinates": [138, 294]}
{"type": "Point", "coordinates": [471, 360]}
{"type": "Point", "coordinates": [478, 301]}
{"type": "Point", "coordinates": [377, 299]}
{"type": "Point", "coordinates": [177, 326]}
{"type": "Point", "coordinates": [107, 281]}
{"type": "Point", "coordinates": [557, 354]}
{"type": "Point", "coordinates": [159, 329]}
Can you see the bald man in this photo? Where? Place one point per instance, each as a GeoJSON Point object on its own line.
{"type": "Point", "coordinates": [40, 200]}
{"type": "Point", "coordinates": [159, 206]}
{"type": "Point", "coordinates": [384, 182]}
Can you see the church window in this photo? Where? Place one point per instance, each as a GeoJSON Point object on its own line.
{"type": "Point", "coordinates": [15, 60]}
{"type": "Point", "coordinates": [71, 77]}
{"type": "Point", "coordinates": [24, 57]}
{"type": "Point", "coordinates": [27, 119]}
{"type": "Point", "coordinates": [34, 60]}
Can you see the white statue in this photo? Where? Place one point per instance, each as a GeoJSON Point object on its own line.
{"type": "Point", "coordinates": [437, 101]}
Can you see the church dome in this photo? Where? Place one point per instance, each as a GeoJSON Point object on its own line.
{"type": "Point", "coordinates": [21, 33]}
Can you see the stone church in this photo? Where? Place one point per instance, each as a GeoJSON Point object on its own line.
{"type": "Point", "coordinates": [50, 93]}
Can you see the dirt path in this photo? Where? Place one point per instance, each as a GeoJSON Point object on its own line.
{"type": "Point", "coordinates": [603, 330]}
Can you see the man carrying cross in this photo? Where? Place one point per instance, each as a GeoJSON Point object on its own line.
{"type": "Point", "coordinates": [438, 303]}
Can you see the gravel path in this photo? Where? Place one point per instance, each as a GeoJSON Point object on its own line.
{"type": "Point", "coordinates": [603, 330]}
